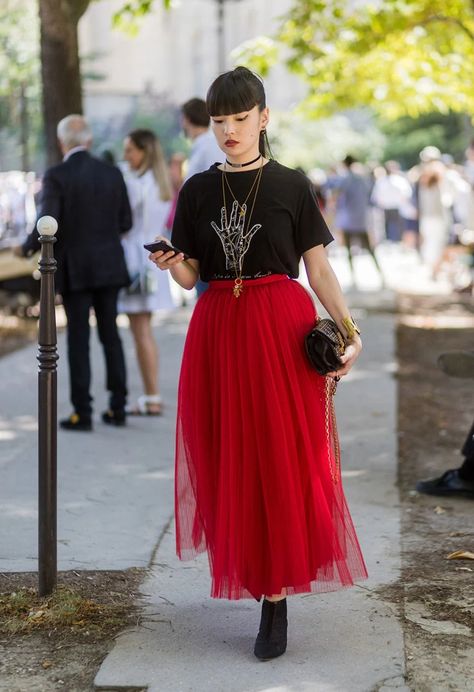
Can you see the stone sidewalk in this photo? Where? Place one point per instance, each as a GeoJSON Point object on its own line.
{"type": "Point", "coordinates": [115, 486]}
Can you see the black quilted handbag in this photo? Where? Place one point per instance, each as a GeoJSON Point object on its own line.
{"type": "Point", "coordinates": [324, 346]}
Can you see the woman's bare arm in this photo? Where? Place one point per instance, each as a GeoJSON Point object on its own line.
{"type": "Point", "coordinates": [324, 283]}
{"type": "Point", "coordinates": [184, 272]}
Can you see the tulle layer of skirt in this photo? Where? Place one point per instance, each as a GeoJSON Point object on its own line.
{"type": "Point", "coordinates": [256, 480]}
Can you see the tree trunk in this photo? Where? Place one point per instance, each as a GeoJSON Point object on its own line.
{"type": "Point", "coordinates": [60, 68]}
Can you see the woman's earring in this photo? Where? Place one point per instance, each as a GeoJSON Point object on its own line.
{"type": "Point", "coordinates": [263, 132]}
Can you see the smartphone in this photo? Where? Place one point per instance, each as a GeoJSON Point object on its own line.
{"type": "Point", "coordinates": [164, 246]}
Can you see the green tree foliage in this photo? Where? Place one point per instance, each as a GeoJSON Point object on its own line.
{"type": "Point", "coordinates": [18, 45]}
{"type": "Point", "coordinates": [400, 57]}
{"type": "Point", "coordinates": [406, 137]}
{"type": "Point", "coordinates": [60, 64]}
{"type": "Point", "coordinates": [298, 141]}
{"type": "Point", "coordinates": [129, 15]}
{"type": "Point", "coordinates": [19, 74]}
{"type": "Point", "coordinates": [24, 77]}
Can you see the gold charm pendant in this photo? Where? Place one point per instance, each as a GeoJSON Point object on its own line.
{"type": "Point", "coordinates": [238, 288]}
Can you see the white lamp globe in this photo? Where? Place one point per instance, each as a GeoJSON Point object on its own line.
{"type": "Point", "coordinates": [47, 225]}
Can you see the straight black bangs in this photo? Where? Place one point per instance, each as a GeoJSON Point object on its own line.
{"type": "Point", "coordinates": [235, 92]}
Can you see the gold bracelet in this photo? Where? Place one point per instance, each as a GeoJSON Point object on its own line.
{"type": "Point", "coordinates": [351, 327]}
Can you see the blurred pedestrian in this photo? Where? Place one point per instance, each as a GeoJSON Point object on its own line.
{"type": "Point", "coordinates": [391, 193]}
{"type": "Point", "coordinates": [257, 481]}
{"type": "Point", "coordinates": [175, 168]}
{"type": "Point", "coordinates": [150, 194]}
{"type": "Point", "coordinates": [17, 205]}
{"type": "Point", "coordinates": [204, 152]}
{"type": "Point", "coordinates": [434, 202]}
{"type": "Point", "coordinates": [409, 212]}
{"type": "Point", "coordinates": [352, 207]}
{"type": "Point", "coordinates": [108, 156]}
{"type": "Point", "coordinates": [469, 162]}
{"type": "Point", "coordinates": [319, 179]}
{"type": "Point", "coordinates": [89, 200]}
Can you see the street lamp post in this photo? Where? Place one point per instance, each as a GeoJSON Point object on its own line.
{"type": "Point", "coordinates": [220, 37]}
{"type": "Point", "coordinates": [221, 55]}
{"type": "Point", "coordinates": [47, 412]}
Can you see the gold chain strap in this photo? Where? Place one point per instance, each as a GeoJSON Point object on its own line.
{"type": "Point", "coordinates": [330, 416]}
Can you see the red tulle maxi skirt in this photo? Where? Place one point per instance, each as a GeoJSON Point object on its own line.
{"type": "Point", "coordinates": [256, 479]}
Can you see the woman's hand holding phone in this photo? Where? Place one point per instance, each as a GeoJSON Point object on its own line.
{"type": "Point", "coordinates": [163, 257]}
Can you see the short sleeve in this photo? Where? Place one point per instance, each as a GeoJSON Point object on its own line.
{"type": "Point", "coordinates": [311, 228]}
{"type": "Point", "coordinates": [183, 232]}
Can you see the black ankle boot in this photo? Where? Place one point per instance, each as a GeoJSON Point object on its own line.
{"type": "Point", "coordinates": [271, 638]}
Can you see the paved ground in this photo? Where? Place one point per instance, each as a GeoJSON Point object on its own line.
{"type": "Point", "coordinates": [115, 485]}
{"type": "Point", "coordinates": [115, 511]}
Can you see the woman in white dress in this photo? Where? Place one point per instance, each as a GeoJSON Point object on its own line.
{"type": "Point", "coordinates": [434, 201]}
{"type": "Point", "coordinates": [150, 194]}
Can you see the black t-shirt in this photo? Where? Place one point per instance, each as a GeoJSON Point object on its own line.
{"type": "Point", "coordinates": [286, 221]}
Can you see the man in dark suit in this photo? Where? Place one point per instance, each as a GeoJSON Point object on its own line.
{"type": "Point", "coordinates": [89, 200]}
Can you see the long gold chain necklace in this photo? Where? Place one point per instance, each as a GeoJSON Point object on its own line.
{"type": "Point", "coordinates": [236, 245]}
{"type": "Point", "coordinates": [256, 180]}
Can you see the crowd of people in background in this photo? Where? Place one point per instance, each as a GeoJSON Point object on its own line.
{"type": "Point", "coordinates": [90, 208]}
{"type": "Point", "coordinates": [429, 207]}
{"type": "Point", "coordinates": [18, 194]}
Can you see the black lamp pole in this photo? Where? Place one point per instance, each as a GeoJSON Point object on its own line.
{"type": "Point", "coordinates": [47, 413]}
{"type": "Point", "coordinates": [221, 53]}
{"type": "Point", "coordinates": [220, 37]}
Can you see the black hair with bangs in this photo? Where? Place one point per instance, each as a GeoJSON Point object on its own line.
{"type": "Point", "coordinates": [237, 91]}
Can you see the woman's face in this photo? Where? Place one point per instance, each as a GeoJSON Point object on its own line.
{"type": "Point", "coordinates": [238, 134]}
{"type": "Point", "coordinates": [132, 154]}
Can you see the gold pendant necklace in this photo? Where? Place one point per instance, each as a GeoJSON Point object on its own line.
{"type": "Point", "coordinates": [238, 257]}
{"type": "Point", "coordinates": [238, 288]}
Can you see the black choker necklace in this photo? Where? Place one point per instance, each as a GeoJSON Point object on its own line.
{"type": "Point", "coordinates": [241, 165]}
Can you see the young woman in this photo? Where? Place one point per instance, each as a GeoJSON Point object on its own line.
{"type": "Point", "coordinates": [257, 482]}
{"type": "Point", "coordinates": [150, 194]}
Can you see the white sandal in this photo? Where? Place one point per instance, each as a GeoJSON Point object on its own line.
{"type": "Point", "coordinates": [143, 404]}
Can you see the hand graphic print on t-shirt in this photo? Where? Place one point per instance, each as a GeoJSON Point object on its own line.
{"type": "Point", "coordinates": [235, 241]}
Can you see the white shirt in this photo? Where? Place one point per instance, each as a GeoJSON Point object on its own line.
{"type": "Point", "coordinates": [204, 153]}
{"type": "Point", "coordinates": [391, 191]}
